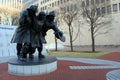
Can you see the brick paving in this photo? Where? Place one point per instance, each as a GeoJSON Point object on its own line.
{"type": "Point", "coordinates": [63, 71]}
{"type": "Point", "coordinates": [114, 56]}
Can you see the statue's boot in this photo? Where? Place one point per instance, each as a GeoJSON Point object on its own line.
{"type": "Point", "coordinates": [31, 56]}
{"type": "Point", "coordinates": [40, 52]}
{"type": "Point", "coordinates": [22, 57]}
{"type": "Point", "coordinates": [31, 52]}
{"type": "Point", "coordinates": [23, 52]}
{"type": "Point", "coordinates": [41, 56]}
{"type": "Point", "coordinates": [19, 46]}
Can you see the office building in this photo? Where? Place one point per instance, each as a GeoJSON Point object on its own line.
{"type": "Point", "coordinates": [111, 9]}
{"type": "Point", "coordinates": [10, 8]}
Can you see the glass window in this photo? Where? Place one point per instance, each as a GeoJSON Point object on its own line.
{"type": "Point", "coordinates": [87, 2]}
{"type": "Point", "coordinates": [103, 10]}
{"type": "Point", "coordinates": [61, 1]}
{"type": "Point", "coordinates": [75, 6]}
{"type": "Point", "coordinates": [97, 1]}
{"type": "Point", "coordinates": [45, 7]}
{"type": "Point", "coordinates": [102, 1]}
{"type": "Point", "coordinates": [109, 9]}
{"type": "Point", "coordinates": [98, 11]}
{"type": "Point", "coordinates": [41, 2]}
{"type": "Point", "coordinates": [92, 2]}
{"type": "Point", "coordinates": [58, 2]}
{"type": "Point", "coordinates": [83, 4]}
{"type": "Point", "coordinates": [119, 6]}
{"type": "Point", "coordinates": [52, 4]}
{"type": "Point", "coordinates": [115, 8]}
{"type": "Point", "coordinates": [84, 14]}
{"type": "Point", "coordinates": [72, 7]}
{"type": "Point", "coordinates": [68, 8]}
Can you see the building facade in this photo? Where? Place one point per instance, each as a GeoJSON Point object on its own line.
{"type": "Point", "coordinates": [11, 3]}
{"type": "Point", "coordinates": [111, 8]}
{"type": "Point", "coordinates": [27, 3]}
{"type": "Point", "coordinates": [10, 8]}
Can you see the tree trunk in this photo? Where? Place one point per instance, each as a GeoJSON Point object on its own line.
{"type": "Point", "coordinates": [70, 34]}
{"type": "Point", "coordinates": [56, 44]}
{"type": "Point", "coordinates": [93, 39]}
{"type": "Point", "coordinates": [93, 44]}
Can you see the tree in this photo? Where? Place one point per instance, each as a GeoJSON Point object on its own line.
{"type": "Point", "coordinates": [4, 12]}
{"type": "Point", "coordinates": [97, 20]}
{"type": "Point", "coordinates": [69, 15]}
{"type": "Point", "coordinates": [57, 20]}
{"type": "Point", "coordinates": [15, 19]}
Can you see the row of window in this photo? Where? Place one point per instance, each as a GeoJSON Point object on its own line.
{"type": "Point", "coordinates": [11, 3]}
{"type": "Point", "coordinates": [89, 2]}
{"type": "Point", "coordinates": [108, 9]}
{"type": "Point", "coordinates": [105, 9]}
{"type": "Point", "coordinates": [56, 3]}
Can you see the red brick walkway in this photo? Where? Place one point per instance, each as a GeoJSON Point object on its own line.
{"type": "Point", "coordinates": [63, 72]}
{"type": "Point", "coordinates": [114, 56]}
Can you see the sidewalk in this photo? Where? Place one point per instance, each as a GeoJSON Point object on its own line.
{"type": "Point", "coordinates": [106, 67]}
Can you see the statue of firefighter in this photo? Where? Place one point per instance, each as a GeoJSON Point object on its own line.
{"type": "Point", "coordinates": [46, 22]}
{"type": "Point", "coordinates": [26, 31]}
{"type": "Point", "coordinates": [34, 32]}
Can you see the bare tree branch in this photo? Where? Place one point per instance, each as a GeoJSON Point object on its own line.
{"type": "Point", "coordinates": [97, 22]}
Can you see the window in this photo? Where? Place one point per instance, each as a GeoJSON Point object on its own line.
{"type": "Point", "coordinates": [58, 2]}
{"type": "Point", "coordinates": [87, 2]}
{"type": "Point", "coordinates": [71, 7]}
{"type": "Point", "coordinates": [64, 1]}
{"type": "Point", "coordinates": [97, 1]}
{"type": "Point", "coordinates": [115, 8]}
{"type": "Point", "coordinates": [119, 6]}
{"type": "Point", "coordinates": [68, 9]}
{"type": "Point", "coordinates": [41, 2]}
{"type": "Point", "coordinates": [83, 4]}
{"type": "Point", "coordinates": [102, 1]}
{"type": "Point", "coordinates": [52, 4]}
{"type": "Point", "coordinates": [45, 7]}
{"type": "Point", "coordinates": [109, 9]}
{"type": "Point", "coordinates": [84, 14]}
{"type": "Point", "coordinates": [61, 2]}
{"type": "Point", "coordinates": [103, 10]}
{"type": "Point", "coordinates": [92, 2]}
{"type": "Point", "coordinates": [98, 11]}
{"type": "Point", "coordinates": [75, 6]}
